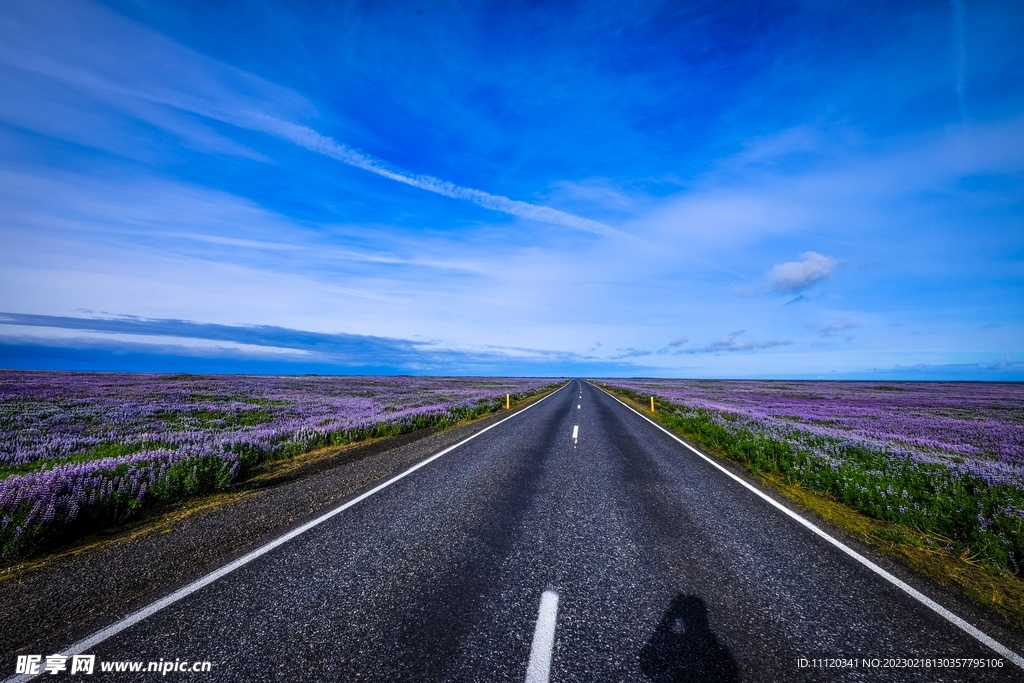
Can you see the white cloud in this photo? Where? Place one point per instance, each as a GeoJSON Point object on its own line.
{"type": "Point", "coordinates": [797, 275]}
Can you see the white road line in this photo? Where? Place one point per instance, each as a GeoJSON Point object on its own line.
{"type": "Point", "coordinates": [967, 628]}
{"type": "Point", "coordinates": [577, 406]}
{"type": "Point", "coordinates": [539, 668]}
{"type": "Point", "coordinates": [134, 618]}
{"type": "Point", "coordinates": [575, 431]}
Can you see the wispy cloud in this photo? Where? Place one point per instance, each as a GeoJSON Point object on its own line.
{"type": "Point", "coordinates": [732, 342]}
{"type": "Point", "coordinates": [212, 90]}
{"type": "Point", "coordinates": [630, 353]}
{"type": "Point", "coordinates": [60, 336]}
{"type": "Point", "coordinates": [284, 349]}
{"type": "Point", "coordinates": [344, 193]}
{"type": "Point", "coordinates": [322, 144]}
{"type": "Point", "coordinates": [675, 347]}
{"type": "Point", "coordinates": [802, 140]}
{"type": "Point", "coordinates": [834, 327]}
{"type": "Point", "coordinates": [795, 276]}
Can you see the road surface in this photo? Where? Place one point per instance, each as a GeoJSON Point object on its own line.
{"type": "Point", "coordinates": [574, 541]}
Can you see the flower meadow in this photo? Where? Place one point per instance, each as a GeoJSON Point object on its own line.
{"type": "Point", "coordinates": [82, 451]}
{"type": "Point", "coordinates": [946, 459]}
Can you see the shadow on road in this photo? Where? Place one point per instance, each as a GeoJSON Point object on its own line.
{"type": "Point", "coordinates": [683, 648]}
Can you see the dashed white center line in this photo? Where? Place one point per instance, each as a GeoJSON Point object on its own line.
{"type": "Point", "coordinates": [575, 431]}
{"type": "Point", "coordinates": [539, 668]}
{"type": "Point", "coordinates": [577, 406]}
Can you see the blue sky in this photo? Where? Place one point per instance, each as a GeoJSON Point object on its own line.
{"type": "Point", "coordinates": [693, 190]}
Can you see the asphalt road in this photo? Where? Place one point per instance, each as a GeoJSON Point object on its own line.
{"type": "Point", "coordinates": [664, 569]}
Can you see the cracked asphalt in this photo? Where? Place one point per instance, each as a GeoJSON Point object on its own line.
{"type": "Point", "coordinates": [665, 570]}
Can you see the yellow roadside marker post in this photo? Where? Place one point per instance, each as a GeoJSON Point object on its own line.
{"type": "Point", "coordinates": [652, 404]}
{"type": "Point", "coordinates": [507, 401]}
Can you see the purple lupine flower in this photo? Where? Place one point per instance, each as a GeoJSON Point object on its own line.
{"type": "Point", "coordinates": [91, 437]}
{"type": "Point", "coordinates": [972, 428]}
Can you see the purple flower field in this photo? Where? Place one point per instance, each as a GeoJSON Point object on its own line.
{"type": "Point", "coordinates": [974, 427]}
{"type": "Point", "coordinates": [72, 444]}
{"type": "Point", "coordinates": [941, 458]}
